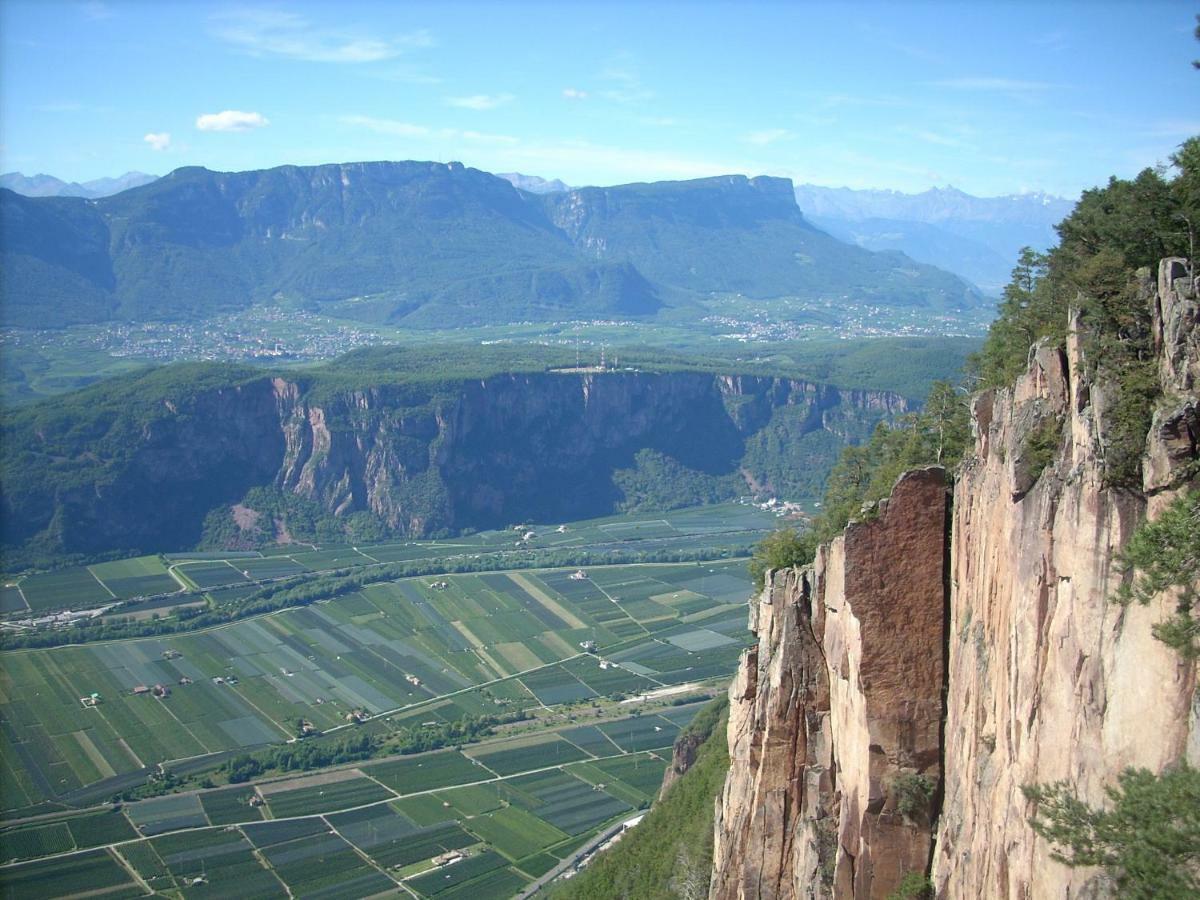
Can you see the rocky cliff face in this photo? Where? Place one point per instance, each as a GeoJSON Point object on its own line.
{"type": "Point", "coordinates": [1048, 680]}
{"type": "Point", "coordinates": [856, 688]}
{"type": "Point", "coordinates": [508, 447]}
{"type": "Point", "coordinates": [420, 456]}
{"type": "Point", "coordinates": [835, 715]}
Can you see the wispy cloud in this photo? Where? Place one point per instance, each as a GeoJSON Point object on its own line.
{"type": "Point", "coordinates": [231, 120]}
{"type": "Point", "coordinates": [158, 140]}
{"type": "Point", "coordinates": [1003, 85]}
{"type": "Point", "coordinates": [1175, 128]}
{"type": "Point", "coordinates": [480, 101]}
{"type": "Point", "coordinates": [767, 136]}
{"type": "Point", "coordinates": [262, 32]}
{"type": "Point", "coordinates": [65, 107]}
{"type": "Point", "coordinates": [936, 138]}
{"type": "Point", "coordinates": [574, 94]}
{"type": "Point", "coordinates": [1051, 40]}
{"type": "Point", "coordinates": [623, 80]}
{"type": "Point", "coordinates": [398, 128]}
{"type": "Point", "coordinates": [95, 10]}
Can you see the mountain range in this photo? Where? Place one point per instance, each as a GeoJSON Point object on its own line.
{"type": "Point", "coordinates": [49, 186]}
{"type": "Point", "coordinates": [430, 244]}
{"type": "Point", "coordinates": [975, 237]}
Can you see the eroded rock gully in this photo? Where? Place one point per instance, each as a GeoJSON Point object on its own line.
{"type": "Point", "coordinates": [975, 650]}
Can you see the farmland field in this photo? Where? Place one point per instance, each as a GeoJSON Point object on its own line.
{"type": "Point", "coordinates": [380, 650]}
{"type": "Point", "coordinates": [82, 723]}
{"type": "Point", "coordinates": [499, 832]}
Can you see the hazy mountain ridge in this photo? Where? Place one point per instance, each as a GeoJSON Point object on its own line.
{"type": "Point", "coordinates": [975, 237]}
{"type": "Point", "coordinates": [42, 185]}
{"type": "Point", "coordinates": [422, 243]}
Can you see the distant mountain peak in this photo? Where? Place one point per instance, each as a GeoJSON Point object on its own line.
{"type": "Point", "coordinates": [975, 237]}
{"type": "Point", "coordinates": [42, 185]}
{"type": "Point", "coordinates": [534, 184]}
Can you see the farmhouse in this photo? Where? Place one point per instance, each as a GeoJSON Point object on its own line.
{"type": "Point", "coordinates": [140, 690]}
{"type": "Point", "coordinates": [578, 575]}
{"type": "Point", "coordinates": [449, 858]}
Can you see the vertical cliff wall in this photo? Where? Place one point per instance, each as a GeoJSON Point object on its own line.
{"type": "Point", "coordinates": [150, 459]}
{"type": "Point", "coordinates": [835, 714]}
{"type": "Point", "coordinates": [850, 695]}
{"type": "Point", "coordinates": [1049, 680]}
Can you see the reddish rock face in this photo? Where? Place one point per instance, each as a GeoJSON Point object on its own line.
{"type": "Point", "coordinates": [835, 720]}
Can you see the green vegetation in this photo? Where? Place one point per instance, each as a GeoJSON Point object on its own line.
{"type": "Point", "coordinates": [781, 550]}
{"type": "Point", "coordinates": [913, 794]}
{"type": "Point", "coordinates": [913, 886]}
{"type": "Point", "coordinates": [1148, 839]}
{"type": "Point", "coordinates": [1038, 449]}
{"type": "Point", "coordinates": [1113, 233]}
{"type": "Point", "coordinates": [85, 457]}
{"type": "Point", "coordinates": [669, 854]}
{"type": "Point", "coordinates": [1164, 555]}
{"type": "Point", "coordinates": [865, 474]}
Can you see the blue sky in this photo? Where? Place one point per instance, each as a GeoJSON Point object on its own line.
{"type": "Point", "coordinates": [990, 97]}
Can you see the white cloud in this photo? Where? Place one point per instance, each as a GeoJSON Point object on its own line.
{"type": "Point", "coordinates": [574, 94]}
{"type": "Point", "coordinates": [231, 120]}
{"type": "Point", "coordinates": [262, 32]}
{"type": "Point", "coordinates": [158, 140]}
{"type": "Point", "coordinates": [767, 136]}
{"type": "Point", "coordinates": [409, 130]}
{"type": "Point", "coordinates": [480, 101]}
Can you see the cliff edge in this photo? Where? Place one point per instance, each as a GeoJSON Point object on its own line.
{"type": "Point", "coordinates": [937, 657]}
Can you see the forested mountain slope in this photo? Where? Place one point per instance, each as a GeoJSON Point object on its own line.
{"type": "Point", "coordinates": [428, 244]}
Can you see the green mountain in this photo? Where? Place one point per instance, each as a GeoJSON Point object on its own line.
{"type": "Point", "coordinates": [425, 244]}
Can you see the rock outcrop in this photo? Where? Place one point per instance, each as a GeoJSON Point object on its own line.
{"type": "Point", "coordinates": [835, 715]}
{"type": "Point", "coordinates": [850, 694]}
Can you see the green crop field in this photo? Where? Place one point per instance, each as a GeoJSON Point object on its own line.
{"type": "Point", "coordinates": [142, 576]}
{"type": "Point", "coordinates": [381, 650]}
{"type": "Point", "coordinates": [413, 653]}
{"type": "Point", "coordinates": [66, 589]}
{"type": "Point", "coordinates": [500, 832]}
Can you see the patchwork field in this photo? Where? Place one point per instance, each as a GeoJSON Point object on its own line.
{"type": "Point", "coordinates": [485, 839]}
{"type": "Point", "coordinates": [515, 638]}
{"type": "Point", "coordinates": [223, 573]}
{"type": "Point", "coordinates": [82, 723]}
